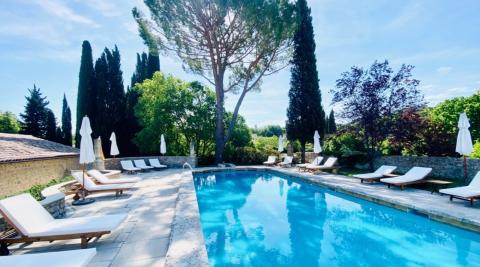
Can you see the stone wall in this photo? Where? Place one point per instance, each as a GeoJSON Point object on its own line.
{"type": "Point", "coordinates": [55, 204]}
{"type": "Point", "coordinates": [19, 176]}
{"type": "Point", "coordinates": [170, 161]}
{"type": "Point", "coordinates": [444, 167]}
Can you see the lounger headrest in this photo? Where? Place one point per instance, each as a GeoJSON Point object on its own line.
{"type": "Point", "coordinates": [27, 215]}
{"type": "Point", "coordinates": [317, 161]}
{"type": "Point", "coordinates": [331, 161]}
{"type": "Point", "coordinates": [418, 172]}
{"type": "Point", "coordinates": [385, 169]}
{"type": "Point", "coordinates": [83, 178]}
{"type": "Point", "coordinates": [476, 180]}
{"type": "Point", "coordinates": [272, 158]}
{"type": "Point", "coordinates": [126, 163]}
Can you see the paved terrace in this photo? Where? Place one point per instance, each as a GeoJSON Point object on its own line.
{"type": "Point", "coordinates": [143, 239]}
{"type": "Point", "coordinates": [163, 227]}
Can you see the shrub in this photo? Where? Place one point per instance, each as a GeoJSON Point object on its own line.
{"type": "Point", "coordinates": [347, 147]}
{"type": "Point", "coordinates": [246, 156]}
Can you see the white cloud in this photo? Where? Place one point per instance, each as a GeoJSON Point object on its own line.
{"type": "Point", "coordinates": [45, 33]}
{"type": "Point", "coordinates": [62, 11]}
{"type": "Point", "coordinates": [106, 8]}
{"type": "Point", "coordinates": [444, 70]}
{"type": "Point", "coordinates": [408, 14]}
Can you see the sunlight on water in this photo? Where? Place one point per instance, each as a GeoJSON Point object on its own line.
{"type": "Point", "coordinates": [261, 219]}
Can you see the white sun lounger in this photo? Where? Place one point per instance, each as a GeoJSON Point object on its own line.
{"type": "Point", "coordinates": [376, 175]}
{"type": "Point", "coordinates": [414, 176]}
{"type": "Point", "coordinates": [140, 163]}
{"type": "Point", "coordinates": [127, 166]}
{"type": "Point", "coordinates": [316, 161]}
{"type": "Point", "coordinates": [91, 187]}
{"type": "Point", "coordinates": [287, 162]}
{"type": "Point", "coordinates": [270, 161]}
{"type": "Point", "coordinates": [469, 192]}
{"type": "Point", "coordinates": [69, 258]}
{"type": "Point", "coordinates": [156, 164]}
{"type": "Point", "coordinates": [33, 223]}
{"type": "Point", "coordinates": [103, 179]}
{"type": "Point", "coordinates": [330, 164]}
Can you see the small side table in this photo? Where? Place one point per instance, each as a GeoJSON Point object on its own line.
{"type": "Point", "coordinates": [437, 184]}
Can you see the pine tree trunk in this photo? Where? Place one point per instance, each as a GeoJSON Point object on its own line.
{"type": "Point", "coordinates": [219, 130]}
{"type": "Point", "coordinates": [303, 151]}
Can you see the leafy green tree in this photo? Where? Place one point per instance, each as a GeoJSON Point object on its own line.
{"type": "Point", "coordinates": [241, 135]}
{"type": "Point", "coordinates": [183, 112]}
{"type": "Point", "coordinates": [51, 126]}
{"type": "Point", "coordinates": [9, 123]}
{"type": "Point", "coordinates": [305, 113]}
{"type": "Point", "coordinates": [371, 98]}
{"type": "Point", "coordinates": [86, 91]}
{"type": "Point", "coordinates": [66, 130]}
{"type": "Point", "coordinates": [226, 42]}
{"type": "Point", "coordinates": [448, 112]}
{"type": "Point", "coordinates": [146, 66]}
{"type": "Point", "coordinates": [269, 130]}
{"type": "Point", "coordinates": [35, 115]}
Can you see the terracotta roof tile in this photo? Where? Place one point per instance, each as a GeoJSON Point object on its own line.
{"type": "Point", "coordinates": [19, 147]}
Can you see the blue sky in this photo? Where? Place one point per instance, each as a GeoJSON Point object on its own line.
{"type": "Point", "coordinates": [40, 42]}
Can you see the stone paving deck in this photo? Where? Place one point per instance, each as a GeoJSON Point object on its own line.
{"type": "Point", "coordinates": [143, 239]}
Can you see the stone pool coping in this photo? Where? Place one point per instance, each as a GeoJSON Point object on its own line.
{"type": "Point", "coordinates": [420, 202]}
{"type": "Point", "coordinates": [187, 245]}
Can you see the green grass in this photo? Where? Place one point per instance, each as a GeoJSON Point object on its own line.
{"type": "Point", "coordinates": [36, 190]}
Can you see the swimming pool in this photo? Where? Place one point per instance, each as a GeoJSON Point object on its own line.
{"type": "Point", "coordinates": [262, 218]}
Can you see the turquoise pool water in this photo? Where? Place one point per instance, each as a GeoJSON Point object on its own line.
{"type": "Point", "coordinates": [263, 219]}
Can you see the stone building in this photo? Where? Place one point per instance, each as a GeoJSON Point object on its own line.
{"type": "Point", "coordinates": [26, 160]}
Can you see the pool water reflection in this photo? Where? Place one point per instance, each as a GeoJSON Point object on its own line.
{"type": "Point", "coordinates": [263, 219]}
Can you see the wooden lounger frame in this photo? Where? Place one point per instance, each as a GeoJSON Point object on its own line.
{"type": "Point", "coordinates": [469, 199]}
{"type": "Point", "coordinates": [14, 235]}
{"type": "Point", "coordinates": [334, 169]}
{"type": "Point", "coordinates": [402, 185]}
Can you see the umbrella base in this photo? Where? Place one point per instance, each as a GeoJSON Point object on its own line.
{"type": "Point", "coordinates": [84, 201]}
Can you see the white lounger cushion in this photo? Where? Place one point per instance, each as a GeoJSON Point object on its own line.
{"type": "Point", "coordinates": [90, 224]}
{"type": "Point", "coordinates": [156, 163]}
{"type": "Point", "coordinates": [462, 191]}
{"type": "Point", "coordinates": [287, 160]}
{"type": "Point", "coordinates": [379, 173]}
{"type": "Point", "coordinates": [101, 178]}
{"type": "Point", "coordinates": [31, 219]}
{"type": "Point", "coordinates": [270, 160]}
{"type": "Point", "coordinates": [69, 258]}
{"type": "Point", "coordinates": [140, 163]}
{"type": "Point", "coordinates": [92, 186]}
{"type": "Point", "coordinates": [317, 161]}
{"type": "Point", "coordinates": [413, 175]}
{"type": "Point", "coordinates": [128, 166]}
{"type": "Point", "coordinates": [471, 190]}
{"type": "Point", "coordinates": [329, 163]}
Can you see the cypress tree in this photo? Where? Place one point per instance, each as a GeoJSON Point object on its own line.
{"type": "Point", "coordinates": [305, 113]}
{"type": "Point", "coordinates": [116, 99]}
{"type": "Point", "coordinates": [35, 115]}
{"type": "Point", "coordinates": [146, 66]}
{"type": "Point", "coordinates": [66, 130]}
{"type": "Point", "coordinates": [327, 128]}
{"type": "Point", "coordinates": [110, 98]}
{"type": "Point", "coordinates": [153, 64]}
{"type": "Point", "coordinates": [86, 95]}
{"type": "Point", "coordinates": [101, 124]}
{"type": "Point", "coordinates": [51, 126]}
{"type": "Point", "coordinates": [332, 126]}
